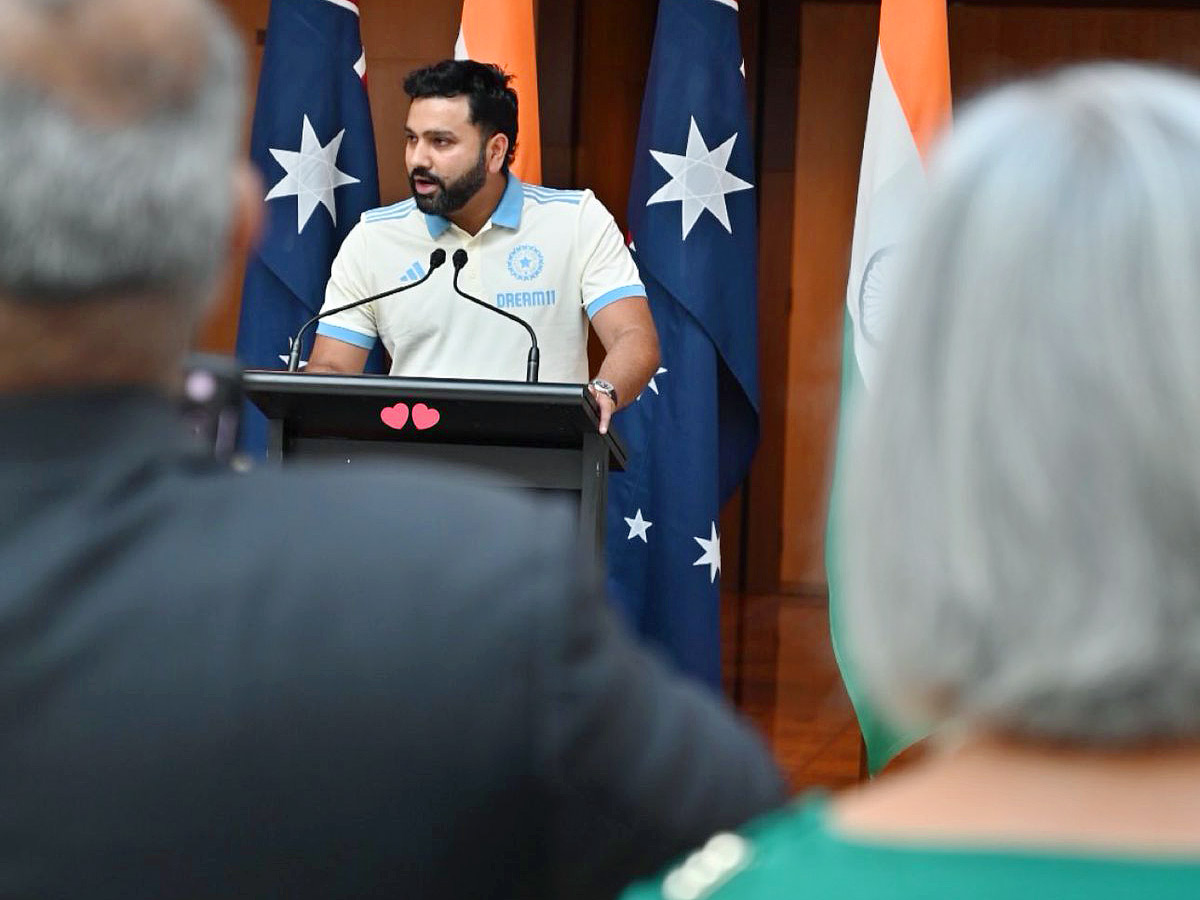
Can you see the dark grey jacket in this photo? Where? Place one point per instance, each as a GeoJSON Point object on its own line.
{"type": "Point", "coordinates": [320, 683]}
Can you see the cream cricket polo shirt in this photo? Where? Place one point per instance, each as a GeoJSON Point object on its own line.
{"type": "Point", "coordinates": [552, 257]}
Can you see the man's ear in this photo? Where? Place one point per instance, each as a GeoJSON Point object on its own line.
{"type": "Point", "coordinates": [497, 152]}
{"type": "Point", "coordinates": [245, 228]}
{"type": "Point", "coordinates": [248, 210]}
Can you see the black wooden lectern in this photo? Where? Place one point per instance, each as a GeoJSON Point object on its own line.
{"type": "Point", "coordinates": [506, 433]}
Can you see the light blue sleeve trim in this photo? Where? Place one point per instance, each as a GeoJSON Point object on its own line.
{"type": "Point", "coordinates": [395, 211]}
{"type": "Point", "coordinates": [629, 290]}
{"type": "Point", "coordinates": [553, 195]}
{"type": "Point", "coordinates": [347, 336]}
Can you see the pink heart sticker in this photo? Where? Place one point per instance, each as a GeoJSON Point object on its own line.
{"type": "Point", "coordinates": [425, 416]}
{"type": "Point", "coordinates": [395, 416]}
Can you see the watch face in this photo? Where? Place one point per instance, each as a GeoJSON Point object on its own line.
{"type": "Point", "coordinates": [605, 388]}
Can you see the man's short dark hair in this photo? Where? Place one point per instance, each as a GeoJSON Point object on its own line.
{"type": "Point", "coordinates": [493, 103]}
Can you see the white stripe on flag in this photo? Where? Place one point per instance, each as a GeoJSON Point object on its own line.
{"type": "Point", "coordinates": [891, 194]}
{"type": "Point", "coordinates": [460, 46]}
{"type": "Point", "coordinates": [361, 66]}
{"type": "Point", "coordinates": [345, 4]}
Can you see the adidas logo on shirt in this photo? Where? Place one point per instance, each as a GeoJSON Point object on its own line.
{"type": "Point", "coordinates": [415, 272]}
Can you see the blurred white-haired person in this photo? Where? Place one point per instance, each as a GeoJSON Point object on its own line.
{"type": "Point", "coordinates": [1023, 505]}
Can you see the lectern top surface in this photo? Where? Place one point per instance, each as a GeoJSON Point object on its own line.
{"type": "Point", "coordinates": [455, 411]}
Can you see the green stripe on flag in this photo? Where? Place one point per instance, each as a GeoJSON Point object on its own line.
{"type": "Point", "coordinates": [882, 739]}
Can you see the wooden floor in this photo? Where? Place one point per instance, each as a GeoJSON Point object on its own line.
{"type": "Point", "coordinates": [791, 689]}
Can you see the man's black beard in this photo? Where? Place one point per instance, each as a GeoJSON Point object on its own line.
{"type": "Point", "coordinates": [452, 197]}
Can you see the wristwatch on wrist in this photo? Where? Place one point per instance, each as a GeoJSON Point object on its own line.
{"type": "Point", "coordinates": [604, 387]}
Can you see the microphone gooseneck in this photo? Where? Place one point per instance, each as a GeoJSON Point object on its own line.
{"type": "Point", "coordinates": [531, 364]}
{"type": "Point", "coordinates": [436, 258]}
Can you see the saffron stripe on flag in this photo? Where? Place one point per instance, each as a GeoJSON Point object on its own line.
{"type": "Point", "coordinates": [502, 32]}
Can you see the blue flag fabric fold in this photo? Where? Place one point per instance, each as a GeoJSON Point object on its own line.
{"type": "Point", "coordinates": [314, 143]}
{"type": "Point", "coordinates": [693, 431]}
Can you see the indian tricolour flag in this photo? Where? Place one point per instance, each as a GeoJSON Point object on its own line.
{"type": "Point", "coordinates": [910, 104]}
{"type": "Point", "coordinates": [501, 32]}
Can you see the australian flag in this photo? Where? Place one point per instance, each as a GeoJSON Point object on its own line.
{"type": "Point", "coordinates": [693, 431]}
{"type": "Point", "coordinates": [314, 144]}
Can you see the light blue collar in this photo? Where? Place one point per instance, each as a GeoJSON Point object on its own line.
{"type": "Point", "coordinates": [507, 213]}
{"type": "Point", "coordinates": [436, 224]}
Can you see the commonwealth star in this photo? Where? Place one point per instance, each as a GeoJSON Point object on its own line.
{"type": "Point", "coordinates": [311, 175]}
{"type": "Point", "coordinates": [700, 179]}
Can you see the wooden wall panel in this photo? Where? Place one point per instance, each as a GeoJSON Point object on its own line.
{"type": "Point", "coordinates": [990, 44]}
{"type": "Point", "coordinates": [836, 56]}
{"type": "Point", "coordinates": [776, 76]}
{"type": "Point", "coordinates": [558, 41]}
{"type": "Point", "coordinates": [614, 54]}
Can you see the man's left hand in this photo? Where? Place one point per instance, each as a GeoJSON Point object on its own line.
{"type": "Point", "coordinates": [607, 408]}
{"type": "Point", "coordinates": [626, 329]}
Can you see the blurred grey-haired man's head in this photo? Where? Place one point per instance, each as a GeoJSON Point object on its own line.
{"type": "Point", "coordinates": [119, 142]}
{"type": "Point", "coordinates": [1023, 510]}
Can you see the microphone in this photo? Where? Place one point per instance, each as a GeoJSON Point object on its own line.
{"type": "Point", "coordinates": [531, 365]}
{"type": "Point", "coordinates": [436, 258]}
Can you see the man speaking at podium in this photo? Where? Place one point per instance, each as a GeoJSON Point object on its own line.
{"type": "Point", "coordinates": [553, 258]}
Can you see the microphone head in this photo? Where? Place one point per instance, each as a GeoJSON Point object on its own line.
{"type": "Point", "coordinates": [436, 258]}
{"type": "Point", "coordinates": [459, 258]}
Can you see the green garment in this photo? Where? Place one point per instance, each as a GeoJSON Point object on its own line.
{"type": "Point", "coordinates": [794, 854]}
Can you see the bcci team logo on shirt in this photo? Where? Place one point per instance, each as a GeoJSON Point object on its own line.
{"type": "Point", "coordinates": [525, 262]}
